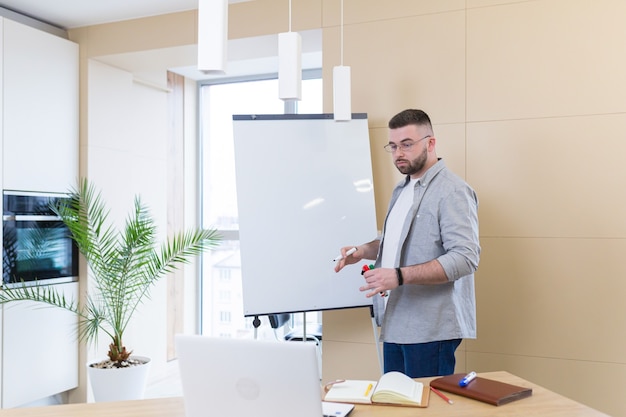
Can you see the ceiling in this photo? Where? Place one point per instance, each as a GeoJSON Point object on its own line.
{"type": "Point", "coordinates": [69, 14]}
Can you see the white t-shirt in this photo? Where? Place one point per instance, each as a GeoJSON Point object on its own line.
{"type": "Point", "coordinates": [395, 221]}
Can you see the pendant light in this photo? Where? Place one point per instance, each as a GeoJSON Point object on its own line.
{"type": "Point", "coordinates": [289, 64]}
{"type": "Point", "coordinates": [212, 36]}
{"type": "Point", "coordinates": [342, 102]}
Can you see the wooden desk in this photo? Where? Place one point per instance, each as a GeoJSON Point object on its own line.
{"type": "Point", "coordinates": [542, 403]}
{"type": "Point", "coordinates": [157, 407]}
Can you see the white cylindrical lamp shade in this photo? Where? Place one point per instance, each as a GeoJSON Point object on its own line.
{"type": "Point", "coordinates": [289, 66]}
{"type": "Point", "coordinates": [212, 36]}
{"type": "Point", "coordinates": [342, 101]}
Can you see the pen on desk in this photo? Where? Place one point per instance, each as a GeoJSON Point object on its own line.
{"type": "Point", "coordinates": [367, 391]}
{"type": "Point", "coordinates": [467, 379]}
{"type": "Point", "coordinates": [439, 393]}
{"type": "Point", "coordinates": [348, 253]}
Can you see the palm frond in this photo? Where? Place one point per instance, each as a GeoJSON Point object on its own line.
{"type": "Point", "coordinates": [45, 294]}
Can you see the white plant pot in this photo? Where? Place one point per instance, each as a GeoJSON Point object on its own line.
{"type": "Point", "coordinates": [119, 384]}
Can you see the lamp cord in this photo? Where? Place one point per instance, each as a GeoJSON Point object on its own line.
{"type": "Point", "coordinates": [341, 33]}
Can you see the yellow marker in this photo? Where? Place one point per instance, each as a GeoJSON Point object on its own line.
{"type": "Point", "coordinates": [367, 391]}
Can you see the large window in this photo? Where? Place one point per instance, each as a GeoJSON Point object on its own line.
{"type": "Point", "coordinates": [221, 272]}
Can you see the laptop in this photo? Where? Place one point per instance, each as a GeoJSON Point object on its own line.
{"type": "Point", "coordinates": [251, 378]}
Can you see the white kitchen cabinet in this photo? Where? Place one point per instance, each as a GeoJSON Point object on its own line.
{"type": "Point", "coordinates": [39, 151]}
{"type": "Point", "coordinates": [40, 114]}
{"type": "Point", "coordinates": [1, 101]}
{"type": "Point", "coordinates": [40, 350]}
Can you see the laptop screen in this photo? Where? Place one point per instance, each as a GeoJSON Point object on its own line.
{"type": "Point", "coordinates": [242, 377]}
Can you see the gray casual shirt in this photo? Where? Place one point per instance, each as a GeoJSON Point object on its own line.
{"type": "Point", "coordinates": [442, 224]}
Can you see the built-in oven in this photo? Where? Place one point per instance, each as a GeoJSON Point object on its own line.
{"type": "Point", "coordinates": [37, 246]}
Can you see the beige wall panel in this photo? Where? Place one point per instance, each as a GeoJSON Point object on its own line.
{"type": "Point", "coordinates": [485, 3]}
{"type": "Point", "coordinates": [552, 298]}
{"type": "Point", "coordinates": [451, 146]}
{"type": "Point", "coordinates": [596, 384]}
{"type": "Point", "coordinates": [348, 325]}
{"type": "Point", "coordinates": [345, 360]}
{"type": "Point", "coordinates": [349, 350]}
{"type": "Point", "coordinates": [543, 58]}
{"type": "Point", "coordinates": [264, 17]}
{"type": "Point", "coordinates": [137, 35]}
{"type": "Point", "coordinates": [359, 11]}
{"type": "Point", "coordinates": [423, 67]}
{"type": "Point", "coordinates": [537, 178]}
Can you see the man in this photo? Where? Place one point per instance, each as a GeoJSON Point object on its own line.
{"type": "Point", "coordinates": [426, 256]}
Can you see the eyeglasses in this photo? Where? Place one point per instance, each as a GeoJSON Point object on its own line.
{"type": "Point", "coordinates": [404, 146]}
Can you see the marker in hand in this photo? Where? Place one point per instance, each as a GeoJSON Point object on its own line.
{"type": "Point", "coordinates": [467, 379]}
{"type": "Point", "coordinates": [367, 268]}
{"type": "Point", "coordinates": [348, 253]}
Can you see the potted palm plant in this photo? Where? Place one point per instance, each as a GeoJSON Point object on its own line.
{"type": "Point", "coordinates": [124, 266]}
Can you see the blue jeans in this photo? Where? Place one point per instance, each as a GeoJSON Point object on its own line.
{"type": "Point", "coordinates": [421, 359]}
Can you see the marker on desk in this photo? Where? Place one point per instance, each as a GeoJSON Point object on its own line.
{"type": "Point", "coordinates": [467, 379]}
{"type": "Point", "coordinates": [348, 253]}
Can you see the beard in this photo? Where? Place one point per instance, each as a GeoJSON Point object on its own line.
{"type": "Point", "coordinates": [414, 166]}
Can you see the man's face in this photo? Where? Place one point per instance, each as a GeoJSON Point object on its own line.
{"type": "Point", "coordinates": [410, 144]}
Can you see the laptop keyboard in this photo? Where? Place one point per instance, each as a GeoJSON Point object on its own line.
{"type": "Point", "coordinates": [336, 409]}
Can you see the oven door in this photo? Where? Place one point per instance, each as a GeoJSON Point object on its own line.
{"type": "Point", "coordinates": [37, 249]}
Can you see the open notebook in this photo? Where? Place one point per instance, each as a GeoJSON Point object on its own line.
{"type": "Point", "coordinates": [243, 377]}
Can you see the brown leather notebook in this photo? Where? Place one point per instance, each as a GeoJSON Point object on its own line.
{"type": "Point", "coordinates": [482, 389]}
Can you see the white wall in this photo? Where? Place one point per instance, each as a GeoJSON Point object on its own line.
{"type": "Point", "coordinates": [126, 155]}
